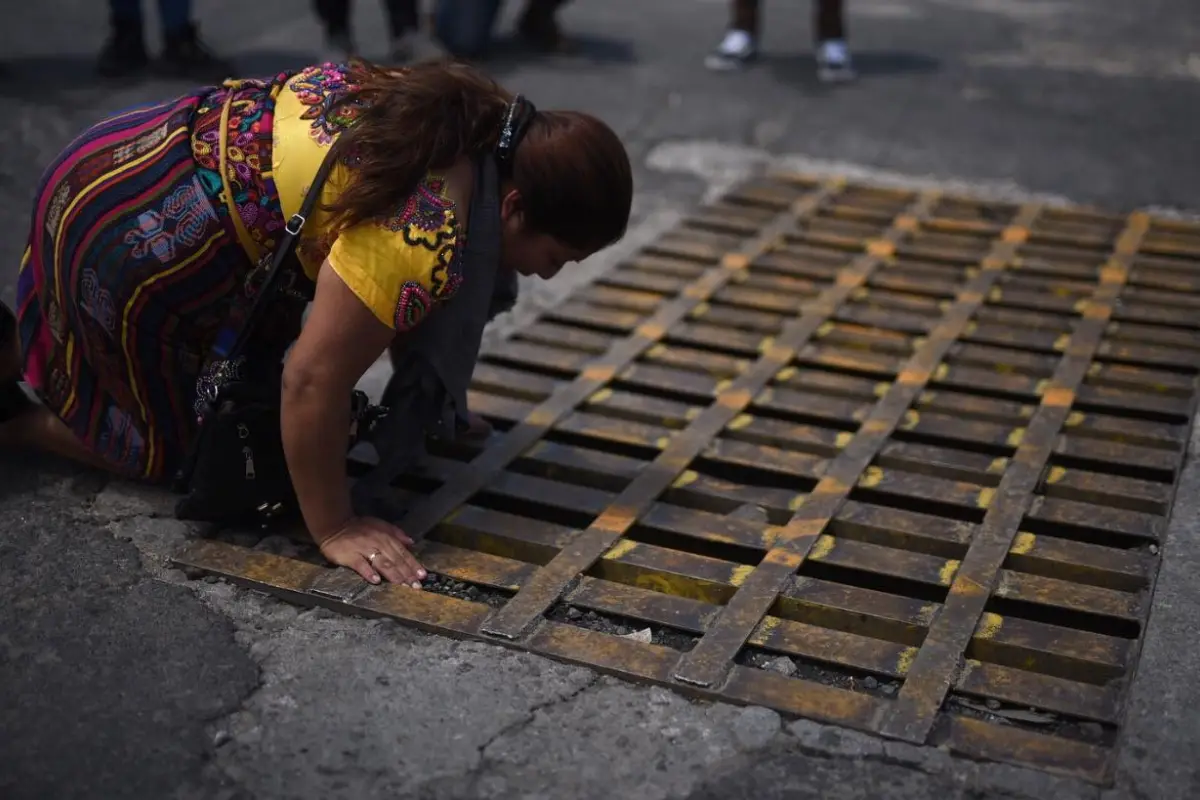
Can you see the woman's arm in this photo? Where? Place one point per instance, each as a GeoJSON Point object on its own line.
{"type": "Point", "coordinates": [340, 340]}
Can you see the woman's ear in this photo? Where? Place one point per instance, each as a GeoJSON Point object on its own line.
{"type": "Point", "coordinates": [512, 208]}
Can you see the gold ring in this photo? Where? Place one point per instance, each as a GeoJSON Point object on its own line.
{"type": "Point", "coordinates": [373, 556]}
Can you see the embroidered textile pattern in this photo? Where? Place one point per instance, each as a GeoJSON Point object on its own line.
{"type": "Point", "coordinates": [248, 160]}
{"type": "Point", "coordinates": [428, 220]}
{"type": "Point", "coordinates": [415, 303]}
{"type": "Point", "coordinates": [320, 88]}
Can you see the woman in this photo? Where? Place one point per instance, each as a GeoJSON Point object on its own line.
{"type": "Point", "coordinates": [140, 238]}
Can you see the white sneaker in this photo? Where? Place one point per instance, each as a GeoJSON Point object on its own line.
{"type": "Point", "coordinates": [736, 50]}
{"type": "Point", "coordinates": [833, 62]}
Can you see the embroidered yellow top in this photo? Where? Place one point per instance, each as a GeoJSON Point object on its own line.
{"type": "Point", "coordinates": [400, 266]}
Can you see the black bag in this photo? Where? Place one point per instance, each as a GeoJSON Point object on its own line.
{"type": "Point", "coordinates": [236, 471]}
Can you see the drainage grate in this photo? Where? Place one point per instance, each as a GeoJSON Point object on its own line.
{"type": "Point", "coordinates": [894, 460]}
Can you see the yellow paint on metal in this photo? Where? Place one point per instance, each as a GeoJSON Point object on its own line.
{"type": "Point", "coordinates": [941, 372]}
{"type": "Point", "coordinates": [765, 343]}
{"type": "Point", "coordinates": [735, 261]}
{"type": "Point", "coordinates": [880, 248]}
{"type": "Point", "coordinates": [984, 500]}
{"type": "Point", "coordinates": [696, 292]}
{"type": "Point", "coordinates": [927, 613]}
{"type": "Point", "coordinates": [1081, 306]}
{"type": "Point", "coordinates": [601, 373]}
{"type": "Point", "coordinates": [989, 625]}
{"type": "Point", "coordinates": [797, 501]}
{"type": "Point", "coordinates": [692, 413]}
{"type": "Point", "coordinates": [1074, 419]}
{"type": "Point", "coordinates": [1016, 437]}
{"type": "Point", "coordinates": [740, 421]}
{"type": "Point", "coordinates": [651, 331]}
{"type": "Point", "coordinates": [722, 385]}
{"type": "Point", "coordinates": [601, 396]}
{"type": "Point", "coordinates": [701, 309]}
{"type": "Point", "coordinates": [1016, 234]}
{"type": "Point", "coordinates": [948, 571]}
{"type": "Point", "coordinates": [1062, 341]}
{"type": "Point", "coordinates": [1003, 369]}
{"type": "Point", "coordinates": [621, 549]}
{"type": "Point", "coordinates": [662, 442]}
{"type": "Point", "coordinates": [656, 351]}
{"type": "Point", "coordinates": [1022, 543]}
{"type": "Point", "coordinates": [763, 630]}
{"type": "Point", "coordinates": [824, 328]}
{"type": "Point", "coordinates": [740, 572]}
{"type": "Point", "coordinates": [736, 398]}
{"type": "Point", "coordinates": [540, 417]}
{"type": "Point", "coordinates": [822, 547]}
{"type": "Point", "coordinates": [872, 476]}
{"type": "Point", "coordinates": [970, 328]}
{"type": "Point", "coordinates": [905, 660]}
{"type": "Point", "coordinates": [1094, 369]}
{"type": "Point", "coordinates": [1040, 387]}
{"type": "Point", "coordinates": [689, 476]}
{"type": "Point", "coordinates": [881, 388]}
{"type": "Point", "coordinates": [843, 438]}
{"type": "Point", "coordinates": [998, 465]}
{"type": "Point", "coordinates": [1056, 474]}
{"type": "Point", "coordinates": [910, 421]}
{"type": "Point", "coordinates": [995, 295]}
{"type": "Point", "coordinates": [785, 374]}
{"type": "Point", "coordinates": [777, 352]}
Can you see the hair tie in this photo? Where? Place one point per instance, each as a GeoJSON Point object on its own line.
{"type": "Point", "coordinates": [517, 116]}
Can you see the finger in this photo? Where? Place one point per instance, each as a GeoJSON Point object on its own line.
{"type": "Point", "coordinates": [404, 561]}
{"type": "Point", "coordinates": [363, 567]}
{"type": "Point", "coordinates": [399, 535]}
{"type": "Point", "coordinates": [386, 565]}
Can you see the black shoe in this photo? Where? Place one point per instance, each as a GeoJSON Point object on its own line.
{"type": "Point", "coordinates": [539, 27]}
{"type": "Point", "coordinates": [124, 52]}
{"type": "Point", "coordinates": [184, 55]}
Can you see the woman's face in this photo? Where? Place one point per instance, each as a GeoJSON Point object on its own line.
{"type": "Point", "coordinates": [527, 252]}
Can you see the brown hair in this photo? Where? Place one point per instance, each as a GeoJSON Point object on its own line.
{"type": "Point", "coordinates": [570, 168]}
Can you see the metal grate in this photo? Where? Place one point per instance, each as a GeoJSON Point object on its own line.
{"type": "Point", "coordinates": [922, 447]}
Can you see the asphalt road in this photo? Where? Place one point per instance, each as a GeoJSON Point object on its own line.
{"type": "Point", "coordinates": [119, 678]}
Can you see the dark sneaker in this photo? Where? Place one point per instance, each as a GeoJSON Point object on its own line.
{"type": "Point", "coordinates": [833, 62]}
{"type": "Point", "coordinates": [184, 55]}
{"type": "Point", "coordinates": [735, 51]}
{"type": "Point", "coordinates": [539, 28]}
{"type": "Point", "coordinates": [124, 53]}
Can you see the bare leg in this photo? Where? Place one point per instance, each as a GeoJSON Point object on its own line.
{"type": "Point", "coordinates": [35, 427]}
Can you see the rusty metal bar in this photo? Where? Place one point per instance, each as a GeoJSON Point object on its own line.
{"type": "Point", "coordinates": [932, 673]}
{"type": "Point", "coordinates": [706, 663]}
{"type": "Point", "coordinates": [596, 374]}
{"type": "Point", "coordinates": [551, 582]}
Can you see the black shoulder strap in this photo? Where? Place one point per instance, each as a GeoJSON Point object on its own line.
{"type": "Point", "coordinates": [243, 317]}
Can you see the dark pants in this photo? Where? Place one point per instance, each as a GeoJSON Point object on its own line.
{"type": "Point", "coordinates": [335, 15]}
{"type": "Point", "coordinates": [465, 27]}
{"type": "Point", "coordinates": [828, 22]}
{"type": "Point", "coordinates": [174, 14]}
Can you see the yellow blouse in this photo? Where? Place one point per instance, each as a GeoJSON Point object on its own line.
{"type": "Point", "coordinates": [400, 266]}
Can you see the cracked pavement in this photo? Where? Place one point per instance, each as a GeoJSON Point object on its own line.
{"type": "Point", "coordinates": [121, 678]}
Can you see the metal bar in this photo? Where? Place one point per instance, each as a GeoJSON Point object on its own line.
{"type": "Point", "coordinates": [932, 673]}
{"type": "Point", "coordinates": [595, 375]}
{"type": "Point", "coordinates": [706, 663]}
{"type": "Point", "coordinates": [552, 581]}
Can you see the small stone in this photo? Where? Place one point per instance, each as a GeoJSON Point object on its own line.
{"type": "Point", "coordinates": [211, 579]}
{"type": "Point", "coordinates": [644, 636]}
{"type": "Point", "coordinates": [870, 683]}
{"type": "Point", "coordinates": [1153, 549]}
{"type": "Point", "coordinates": [783, 665]}
{"type": "Point", "coordinates": [755, 727]}
{"type": "Point", "coordinates": [1091, 730]}
{"type": "Point", "coordinates": [221, 737]}
{"type": "Point", "coordinates": [889, 688]}
{"type": "Point", "coordinates": [993, 704]}
{"type": "Point", "coordinates": [574, 613]}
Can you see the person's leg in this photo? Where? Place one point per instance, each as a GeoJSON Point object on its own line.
{"type": "Point", "coordinates": [335, 20]}
{"type": "Point", "coordinates": [829, 29]}
{"type": "Point", "coordinates": [184, 54]}
{"type": "Point", "coordinates": [465, 27]}
{"type": "Point", "coordinates": [539, 25]}
{"type": "Point", "coordinates": [740, 44]}
{"type": "Point", "coordinates": [403, 24]}
{"type": "Point", "coordinates": [124, 51]}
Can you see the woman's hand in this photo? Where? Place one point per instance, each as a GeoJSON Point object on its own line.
{"type": "Point", "coordinates": [372, 547]}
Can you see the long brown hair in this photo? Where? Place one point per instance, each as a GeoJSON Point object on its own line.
{"type": "Point", "coordinates": [571, 169]}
